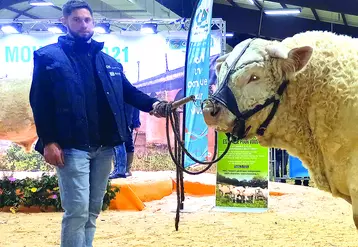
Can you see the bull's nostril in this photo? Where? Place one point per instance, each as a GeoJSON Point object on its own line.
{"type": "Point", "coordinates": [210, 110]}
{"type": "Point", "coordinates": [215, 111]}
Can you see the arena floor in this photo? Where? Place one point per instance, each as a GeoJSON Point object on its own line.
{"type": "Point", "coordinates": [304, 217]}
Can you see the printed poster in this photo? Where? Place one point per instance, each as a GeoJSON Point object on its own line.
{"type": "Point", "coordinates": [242, 176]}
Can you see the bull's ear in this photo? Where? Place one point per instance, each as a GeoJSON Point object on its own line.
{"type": "Point", "coordinates": [297, 59]}
{"type": "Point", "coordinates": [219, 62]}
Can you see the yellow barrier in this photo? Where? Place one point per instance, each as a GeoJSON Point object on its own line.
{"type": "Point", "coordinates": [133, 195]}
{"type": "Point", "coordinates": [196, 188]}
{"type": "Point", "coordinates": [126, 199]}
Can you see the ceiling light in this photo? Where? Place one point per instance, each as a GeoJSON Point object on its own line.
{"type": "Point", "coordinates": [149, 28]}
{"type": "Point", "coordinates": [54, 30]}
{"type": "Point", "coordinates": [285, 11]}
{"type": "Point", "coordinates": [40, 3]}
{"type": "Point", "coordinates": [11, 28]}
{"type": "Point", "coordinates": [229, 35]}
{"type": "Point", "coordinates": [99, 30]}
{"type": "Point", "coordinates": [57, 28]}
{"type": "Point", "coordinates": [102, 28]}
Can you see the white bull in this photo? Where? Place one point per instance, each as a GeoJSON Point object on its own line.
{"type": "Point", "coordinates": [316, 119]}
{"type": "Point", "coordinates": [236, 192]}
{"type": "Point", "coordinates": [224, 189]}
{"type": "Point", "coordinates": [249, 194]}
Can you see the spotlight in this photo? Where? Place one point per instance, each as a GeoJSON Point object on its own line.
{"type": "Point", "coordinates": [40, 3]}
{"type": "Point", "coordinates": [11, 28]}
{"type": "Point", "coordinates": [149, 28]}
{"type": "Point", "coordinates": [285, 11]}
{"type": "Point", "coordinates": [102, 28]}
{"type": "Point", "coordinates": [57, 28]}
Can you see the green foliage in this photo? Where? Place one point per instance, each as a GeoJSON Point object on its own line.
{"type": "Point", "coordinates": [227, 202]}
{"type": "Point", "coordinates": [256, 181]}
{"type": "Point", "coordinates": [110, 194]}
{"type": "Point", "coordinates": [16, 159]}
{"type": "Point", "coordinates": [159, 159]}
{"type": "Point", "coordinates": [156, 159]}
{"type": "Point", "coordinates": [42, 192]}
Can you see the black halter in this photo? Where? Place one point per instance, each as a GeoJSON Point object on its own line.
{"type": "Point", "coordinates": [225, 96]}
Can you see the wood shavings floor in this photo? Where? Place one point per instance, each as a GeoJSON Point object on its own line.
{"type": "Point", "coordinates": [305, 217]}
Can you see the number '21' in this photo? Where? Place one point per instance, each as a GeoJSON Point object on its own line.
{"type": "Point", "coordinates": [115, 53]}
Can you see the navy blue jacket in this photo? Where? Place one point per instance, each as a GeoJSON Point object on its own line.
{"type": "Point", "coordinates": [133, 115]}
{"type": "Point", "coordinates": [57, 98]}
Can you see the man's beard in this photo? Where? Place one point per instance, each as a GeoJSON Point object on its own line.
{"type": "Point", "coordinates": [79, 38]}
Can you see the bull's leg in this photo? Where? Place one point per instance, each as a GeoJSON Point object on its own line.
{"type": "Point", "coordinates": [352, 184]}
{"type": "Point", "coordinates": [353, 191]}
{"type": "Point", "coordinates": [355, 208]}
{"type": "Point", "coordinates": [347, 198]}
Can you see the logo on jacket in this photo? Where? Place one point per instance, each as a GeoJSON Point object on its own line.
{"type": "Point", "coordinates": [116, 70]}
{"type": "Point", "coordinates": [112, 73]}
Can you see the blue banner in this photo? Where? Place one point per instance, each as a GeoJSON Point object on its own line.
{"type": "Point", "coordinates": [297, 170]}
{"type": "Point", "coordinates": [197, 78]}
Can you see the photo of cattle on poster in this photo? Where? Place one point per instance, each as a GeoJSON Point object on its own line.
{"type": "Point", "coordinates": [240, 196]}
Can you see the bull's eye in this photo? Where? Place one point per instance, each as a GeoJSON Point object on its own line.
{"type": "Point", "coordinates": [254, 78]}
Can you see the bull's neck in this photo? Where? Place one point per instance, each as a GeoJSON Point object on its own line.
{"type": "Point", "coordinates": [290, 128]}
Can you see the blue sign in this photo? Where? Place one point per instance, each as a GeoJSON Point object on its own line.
{"type": "Point", "coordinates": [297, 170]}
{"type": "Point", "coordinates": [197, 78]}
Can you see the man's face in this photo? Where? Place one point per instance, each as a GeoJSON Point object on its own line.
{"type": "Point", "coordinates": [80, 24]}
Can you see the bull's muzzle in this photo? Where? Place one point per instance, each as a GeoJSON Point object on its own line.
{"type": "Point", "coordinates": [211, 111]}
{"type": "Point", "coordinates": [214, 113]}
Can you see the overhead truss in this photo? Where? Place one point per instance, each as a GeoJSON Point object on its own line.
{"type": "Point", "coordinates": [35, 25]}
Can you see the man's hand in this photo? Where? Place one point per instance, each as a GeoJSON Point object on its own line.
{"type": "Point", "coordinates": [53, 155]}
{"type": "Point", "coordinates": [159, 109]}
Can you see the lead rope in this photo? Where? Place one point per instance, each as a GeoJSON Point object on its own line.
{"type": "Point", "coordinates": [176, 155]}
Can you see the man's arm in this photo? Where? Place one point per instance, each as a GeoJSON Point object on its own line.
{"type": "Point", "coordinates": [42, 101]}
{"type": "Point", "coordinates": [137, 98]}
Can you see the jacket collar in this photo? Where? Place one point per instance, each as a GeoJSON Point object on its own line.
{"type": "Point", "coordinates": [69, 43]}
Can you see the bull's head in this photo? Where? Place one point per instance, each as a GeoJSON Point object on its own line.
{"type": "Point", "coordinates": [250, 78]}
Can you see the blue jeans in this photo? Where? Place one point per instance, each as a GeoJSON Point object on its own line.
{"type": "Point", "coordinates": [120, 159]}
{"type": "Point", "coordinates": [83, 182]}
{"type": "Point", "coordinates": [130, 143]}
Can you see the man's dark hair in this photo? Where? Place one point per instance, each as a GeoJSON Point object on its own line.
{"type": "Point", "coordinates": [72, 5]}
